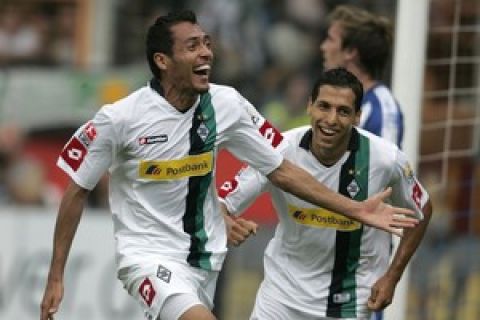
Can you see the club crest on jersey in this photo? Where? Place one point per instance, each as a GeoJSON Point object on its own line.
{"type": "Point", "coordinates": [153, 139]}
{"type": "Point", "coordinates": [164, 274]}
{"type": "Point", "coordinates": [203, 131]}
{"type": "Point", "coordinates": [353, 188]}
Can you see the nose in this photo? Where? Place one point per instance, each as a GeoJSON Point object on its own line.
{"type": "Point", "coordinates": [206, 52]}
{"type": "Point", "coordinates": [322, 46]}
{"type": "Point", "coordinates": [331, 117]}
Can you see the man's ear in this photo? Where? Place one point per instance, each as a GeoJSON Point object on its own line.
{"type": "Point", "coordinates": [161, 60]}
{"type": "Point", "coordinates": [309, 107]}
{"type": "Point", "coordinates": [351, 54]}
{"type": "Point", "coordinates": [357, 117]}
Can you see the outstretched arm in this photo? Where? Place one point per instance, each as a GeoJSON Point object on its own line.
{"type": "Point", "coordinates": [383, 290]}
{"type": "Point", "coordinates": [373, 212]}
{"type": "Point", "coordinates": [69, 214]}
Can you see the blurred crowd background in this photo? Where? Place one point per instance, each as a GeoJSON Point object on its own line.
{"type": "Point", "coordinates": [60, 60]}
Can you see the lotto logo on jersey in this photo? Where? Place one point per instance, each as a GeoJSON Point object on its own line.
{"type": "Point", "coordinates": [191, 166]}
{"type": "Point", "coordinates": [227, 187]}
{"type": "Point", "coordinates": [74, 153]}
{"type": "Point", "coordinates": [418, 195]}
{"type": "Point", "coordinates": [147, 292]}
{"type": "Point", "coordinates": [271, 134]}
{"type": "Point", "coordinates": [322, 218]}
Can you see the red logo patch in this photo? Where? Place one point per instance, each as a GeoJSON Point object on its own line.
{"type": "Point", "coordinates": [271, 134]}
{"type": "Point", "coordinates": [90, 131]}
{"type": "Point", "coordinates": [74, 153]}
{"type": "Point", "coordinates": [147, 292]}
{"type": "Point", "coordinates": [227, 187]}
{"type": "Point", "coordinates": [417, 195]}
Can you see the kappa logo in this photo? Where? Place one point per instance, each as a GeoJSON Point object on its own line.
{"type": "Point", "coordinates": [153, 139]}
{"type": "Point", "coordinates": [147, 292]}
{"type": "Point", "coordinates": [164, 274]}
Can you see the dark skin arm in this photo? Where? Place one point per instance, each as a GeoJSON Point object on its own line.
{"type": "Point", "coordinates": [383, 290]}
{"type": "Point", "coordinates": [69, 215]}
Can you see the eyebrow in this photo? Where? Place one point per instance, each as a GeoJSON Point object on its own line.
{"type": "Point", "coordinates": [202, 37]}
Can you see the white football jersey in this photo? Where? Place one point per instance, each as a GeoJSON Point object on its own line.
{"type": "Point", "coordinates": [162, 170]}
{"type": "Point", "coordinates": [319, 262]}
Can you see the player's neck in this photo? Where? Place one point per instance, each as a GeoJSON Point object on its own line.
{"type": "Point", "coordinates": [327, 157]}
{"type": "Point", "coordinates": [180, 99]}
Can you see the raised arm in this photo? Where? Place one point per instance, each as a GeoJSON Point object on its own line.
{"type": "Point", "coordinates": [384, 289]}
{"type": "Point", "coordinates": [69, 215]}
{"type": "Point", "coordinates": [373, 211]}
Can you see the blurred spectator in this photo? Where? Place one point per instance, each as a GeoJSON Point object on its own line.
{"type": "Point", "coordinates": [289, 108]}
{"type": "Point", "coordinates": [26, 183]}
{"type": "Point", "coordinates": [22, 35]}
{"type": "Point", "coordinates": [63, 36]}
{"type": "Point", "coordinates": [11, 138]}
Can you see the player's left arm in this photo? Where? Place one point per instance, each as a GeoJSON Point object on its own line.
{"type": "Point", "coordinates": [384, 289]}
{"type": "Point", "coordinates": [407, 190]}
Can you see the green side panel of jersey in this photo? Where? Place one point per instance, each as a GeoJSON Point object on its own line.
{"type": "Point", "coordinates": [342, 299]}
{"type": "Point", "coordinates": [202, 139]}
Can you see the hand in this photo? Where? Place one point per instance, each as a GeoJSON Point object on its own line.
{"type": "Point", "coordinates": [383, 216]}
{"type": "Point", "coordinates": [239, 229]}
{"type": "Point", "coordinates": [51, 299]}
{"type": "Point", "coordinates": [382, 293]}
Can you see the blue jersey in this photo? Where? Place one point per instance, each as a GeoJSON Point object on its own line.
{"type": "Point", "coordinates": [381, 114]}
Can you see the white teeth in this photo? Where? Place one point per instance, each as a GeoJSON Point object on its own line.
{"type": "Point", "coordinates": [327, 131]}
{"type": "Point", "coordinates": [202, 68]}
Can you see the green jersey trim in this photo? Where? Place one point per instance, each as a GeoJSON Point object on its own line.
{"type": "Point", "coordinates": [342, 299]}
{"type": "Point", "coordinates": [202, 139]}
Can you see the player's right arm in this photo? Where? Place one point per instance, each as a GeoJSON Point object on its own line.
{"type": "Point", "coordinates": [85, 158]}
{"type": "Point", "coordinates": [69, 215]}
{"type": "Point", "coordinates": [235, 196]}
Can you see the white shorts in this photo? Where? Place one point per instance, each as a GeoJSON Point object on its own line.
{"type": "Point", "coordinates": [170, 288]}
{"type": "Point", "coordinates": [267, 307]}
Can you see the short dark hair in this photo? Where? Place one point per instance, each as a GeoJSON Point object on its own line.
{"type": "Point", "coordinates": [339, 77]}
{"type": "Point", "coordinates": [370, 34]}
{"type": "Point", "coordinates": [159, 36]}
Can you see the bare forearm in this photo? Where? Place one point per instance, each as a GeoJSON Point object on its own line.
{"type": "Point", "coordinates": [69, 215]}
{"type": "Point", "coordinates": [297, 181]}
{"type": "Point", "coordinates": [408, 245]}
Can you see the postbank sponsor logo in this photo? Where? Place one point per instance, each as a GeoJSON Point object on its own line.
{"type": "Point", "coordinates": [322, 218]}
{"type": "Point", "coordinates": [191, 166]}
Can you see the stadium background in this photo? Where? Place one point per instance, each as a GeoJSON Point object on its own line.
{"type": "Point", "coordinates": [62, 59]}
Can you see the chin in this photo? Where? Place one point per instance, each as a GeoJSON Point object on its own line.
{"type": "Point", "coordinates": [203, 88]}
